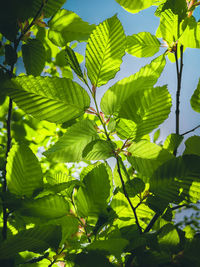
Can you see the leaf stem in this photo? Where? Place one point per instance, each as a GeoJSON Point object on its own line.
{"type": "Point", "coordinates": [126, 194]}
{"type": "Point", "coordinates": [97, 109]}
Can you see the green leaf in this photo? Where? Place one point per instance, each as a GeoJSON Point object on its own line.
{"type": "Point", "coordinates": [10, 55]}
{"type": "Point", "coordinates": [192, 145]}
{"type": "Point", "coordinates": [91, 259]}
{"type": "Point", "coordinates": [148, 75]}
{"type": "Point", "coordinates": [73, 62]}
{"type": "Point", "coordinates": [113, 246]}
{"type": "Point", "coordinates": [172, 142]}
{"type": "Point", "coordinates": [34, 56]}
{"type": "Point", "coordinates": [99, 150]}
{"type": "Point", "coordinates": [178, 7]}
{"type": "Point", "coordinates": [104, 51]}
{"type": "Point", "coordinates": [168, 237]}
{"type": "Point", "coordinates": [67, 26]}
{"type": "Point", "coordinates": [143, 44]}
{"type": "Point", "coordinates": [92, 199]}
{"type": "Point", "coordinates": [126, 129]}
{"type": "Point", "coordinates": [48, 207]}
{"type": "Point", "coordinates": [134, 187]}
{"type": "Point", "coordinates": [147, 108]}
{"type": "Point", "coordinates": [156, 135]}
{"type": "Point", "coordinates": [48, 98]}
{"type": "Point", "coordinates": [50, 8]}
{"type": "Point", "coordinates": [195, 99]}
{"type": "Point", "coordinates": [24, 174]}
{"type": "Point", "coordinates": [36, 239]}
{"type": "Point", "coordinates": [146, 157]}
{"type": "Point", "coordinates": [70, 146]}
{"type": "Point", "coordinates": [124, 212]}
{"type": "Point", "coordinates": [136, 6]}
{"type": "Point", "coordinates": [190, 37]}
{"type": "Point", "coordinates": [178, 179]}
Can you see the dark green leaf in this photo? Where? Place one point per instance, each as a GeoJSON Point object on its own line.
{"type": "Point", "coordinates": [36, 239]}
{"type": "Point", "coordinates": [192, 145]}
{"type": "Point", "coordinates": [73, 62]}
{"type": "Point", "coordinates": [33, 53]}
{"type": "Point", "coordinates": [10, 55]}
{"type": "Point", "coordinates": [48, 207]}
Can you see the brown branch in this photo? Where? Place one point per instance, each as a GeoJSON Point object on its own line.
{"type": "Point", "coordinates": [126, 195]}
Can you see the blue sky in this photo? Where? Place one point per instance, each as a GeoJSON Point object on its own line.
{"type": "Point", "coordinates": [95, 11]}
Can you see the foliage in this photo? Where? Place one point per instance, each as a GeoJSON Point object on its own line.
{"type": "Point", "coordinates": [61, 202]}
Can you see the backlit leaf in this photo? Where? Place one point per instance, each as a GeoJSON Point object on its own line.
{"type": "Point", "coordinates": [48, 98]}
{"type": "Point", "coordinates": [136, 6]}
{"type": "Point", "coordinates": [24, 173]}
{"type": "Point", "coordinates": [172, 142]}
{"type": "Point", "coordinates": [92, 199]}
{"type": "Point", "coordinates": [146, 157]}
{"type": "Point", "coordinates": [147, 109]}
{"type": "Point", "coordinates": [67, 26]}
{"type": "Point", "coordinates": [99, 150]}
{"type": "Point", "coordinates": [195, 99]}
{"type": "Point", "coordinates": [169, 27]}
{"type": "Point", "coordinates": [143, 44]}
{"type": "Point", "coordinates": [147, 76]}
{"type": "Point", "coordinates": [104, 51]}
{"type": "Point", "coordinates": [70, 146]}
{"type": "Point", "coordinates": [48, 207]}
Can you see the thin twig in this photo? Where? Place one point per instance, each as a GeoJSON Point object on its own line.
{"type": "Point", "coordinates": [126, 195]}
{"type": "Point", "coordinates": [192, 130]}
{"type": "Point", "coordinates": [97, 109]}
{"type": "Point", "coordinates": [179, 206]}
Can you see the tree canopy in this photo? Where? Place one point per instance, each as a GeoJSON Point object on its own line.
{"type": "Point", "coordinates": [62, 202]}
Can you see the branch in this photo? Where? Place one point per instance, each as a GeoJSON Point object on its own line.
{"type": "Point", "coordinates": [179, 206]}
{"type": "Point", "coordinates": [191, 130]}
{"type": "Point", "coordinates": [150, 225]}
{"type": "Point", "coordinates": [179, 77]}
{"type": "Point", "coordinates": [126, 195]}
